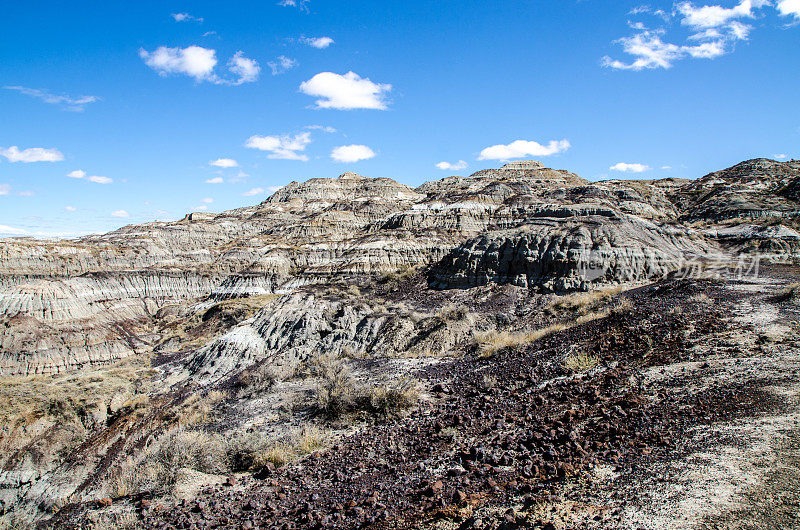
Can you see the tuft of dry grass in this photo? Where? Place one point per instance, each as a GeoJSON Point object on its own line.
{"type": "Point", "coordinates": [790, 294]}
{"type": "Point", "coordinates": [198, 409]}
{"type": "Point", "coordinates": [261, 450]}
{"type": "Point", "coordinates": [155, 468]}
{"type": "Point", "coordinates": [452, 313]}
{"type": "Point", "coordinates": [389, 400]}
{"type": "Point", "coordinates": [582, 303]}
{"type": "Point", "coordinates": [256, 380]}
{"type": "Point", "coordinates": [580, 362]}
{"type": "Point", "coordinates": [336, 395]}
{"type": "Point", "coordinates": [491, 342]}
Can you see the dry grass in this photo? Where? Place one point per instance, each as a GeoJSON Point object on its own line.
{"type": "Point", "coordinates": [452, 313]}
{"type": "Point", "coordinates": [389, 400]}
{"type": "Point", "coordinates": [256, 380]}
{"type": "Point", "coordinates": [580, 362]}
{"type": "Point", "coordinates": [255, 450]}
{"type": "Point", "coordinates": [491, 342]}
{"type": "Point", "coordinates": [78, 398]}
{"type": "Point", "coordinates": [790, 294]}
{"type": "Point", "coordinates": [155, 468]}
{"type": "Point", "coordinates": [336, 394]}
{"type": "Point", "coordinates": [582, 303]}
{"type": "Point", "coordinates": [702, 298]}
{"type": "Point", "coordinates": [487, 344]}
{"type": "Point", "coordinates": [198, 409]}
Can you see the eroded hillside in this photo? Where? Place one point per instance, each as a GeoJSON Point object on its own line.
{"type": "Point", "coordinates": [517, 347]}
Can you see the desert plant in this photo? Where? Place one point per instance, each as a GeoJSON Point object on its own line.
{"type": "Point", "coordinates": [155, 469]}
{"type": "Point", "coordinates": [389, 400]}
{"type": "Point", "coordinates": [452, 313]}
{"type": "Point", "coordinates": [256, 380]}
{"type": "Point", "coordinates": [487, 344]}
{"type": "Point", "coordinates": [197, 409]}
{"type": "Point", "coordinates": [335, 390]}
{"type": "Point", "coordinates": [580, 362]}
{"type": "Point", "coordinates": [790, 294]}
{"type": "Point", "coordinates": [297, 443]}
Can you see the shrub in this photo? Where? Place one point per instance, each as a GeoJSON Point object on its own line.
{"type": "Point", "coordinates": [335, 391]}
{"type": "Point", "coordinates": [580, 362]}
{"type": "Point", "coordinates": [387, 400]}
{"type": "Point", "coordinates": [489, 343]}
{"type": "Point", "coordinates": [156, 467]}
{"type": "Point", "coordinates": [256, 380]}
{"type": "Point", "coordinates": [336, 395]}
{"type": "Point", "coordinates": [452, 313]}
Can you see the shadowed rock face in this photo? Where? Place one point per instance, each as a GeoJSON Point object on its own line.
{"type": "Point", "coordinates": [522, 224]}
{"type": "Point", "coordinates": [570, 254]}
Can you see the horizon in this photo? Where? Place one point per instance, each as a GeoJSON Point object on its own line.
{"type": "Point", "coordinates": [219, 212]}
{"type": "Point", "coordinates": [117, 115]}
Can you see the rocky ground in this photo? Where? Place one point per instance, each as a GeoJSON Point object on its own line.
{"type": "Point", "coordinates": [520, 348]}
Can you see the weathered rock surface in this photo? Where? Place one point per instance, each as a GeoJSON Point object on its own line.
{"type": "Point", "coordinates": [523, 224]}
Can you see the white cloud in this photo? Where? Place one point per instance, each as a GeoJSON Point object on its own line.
{"type": "Point", "coordinates": [707, 50]}
{"type": "Point", "coordinates": [208, 200]}
{"type": "Point", "coordinates": [32, 154]}
{"type": "Point", "coordinates": [99, 180]}
{"type": "Point", "coordinates": [246, 70]}
{"type": "Point", "coordinates": [120, 213]}
{"type": "Point", "coordinates": [282, 65]}
{"type": "Point", "coordinates": [650, 52]}
{"type": "Point", "coordinates": [523, 148]}
{"type": "Point", "coordinates": [282, 147]}
{"type": "Point", "coordinates": [194, 61]}
{"type": "Point", "coordinates": [300, 4]}
{"type": "Point", "coordinates": [320, 128]}
{"type": "Point", "coordinates": [352, 153]}
{"type": "Point", "coordinates": [186, 17]}
{"type": "Point", "coordinates": [201, 208]}
{"type": "Point", "coordinates": [458, 166]}
{"type": "Point", "coordinates": [26, 193]}
{"type": "Point", "coordinates": [629, 168]}
{"type": "Point", "coordinates": [789, 8]}
{"type": "Point", "coordinates": [780, 156]}
{"type": "Point", "coordinates": [5, 229]}
{"type": "Point", "coordinates": [199, 63]}
{"type": "Point", "coordinates": [345, 92]}
{"type": "Point", "coordinates": [254, 191]}
{"type": "Point", "coordinates": [666, 167]}
{"type": "Point", "coordinates": [74, 104]}
{"type": "Point", "coordinates": [5, 189]}
{"type": "Point", "coordinates": [714, 16]}
{"type": "Point", "coordinates": [273, 189]}
{"type": "Point", "coordinates": [224, 162]}
{"type": "Point", "coordinates": [215, 180]}
{"type": "Point", "coordinates": [70, 208]}
{"type": "Point", "coordinates": [80, 174]}
{"type": "Point", "coordinates": [717, 28]}
{"type": "Point", "coordinates": [318, 42]}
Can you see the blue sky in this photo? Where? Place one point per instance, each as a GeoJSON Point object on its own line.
{"type": "Point", "coordinates": [113, 113]}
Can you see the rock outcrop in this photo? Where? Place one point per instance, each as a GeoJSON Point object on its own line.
{"type": "Point", "coordinates": [523, 224]}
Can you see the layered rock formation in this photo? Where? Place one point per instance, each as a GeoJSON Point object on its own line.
{"type": "Point", "coordinates": [90, 300]}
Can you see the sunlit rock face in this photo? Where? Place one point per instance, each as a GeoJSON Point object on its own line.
{"type": "Point", "coordinates": [70, 303]}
